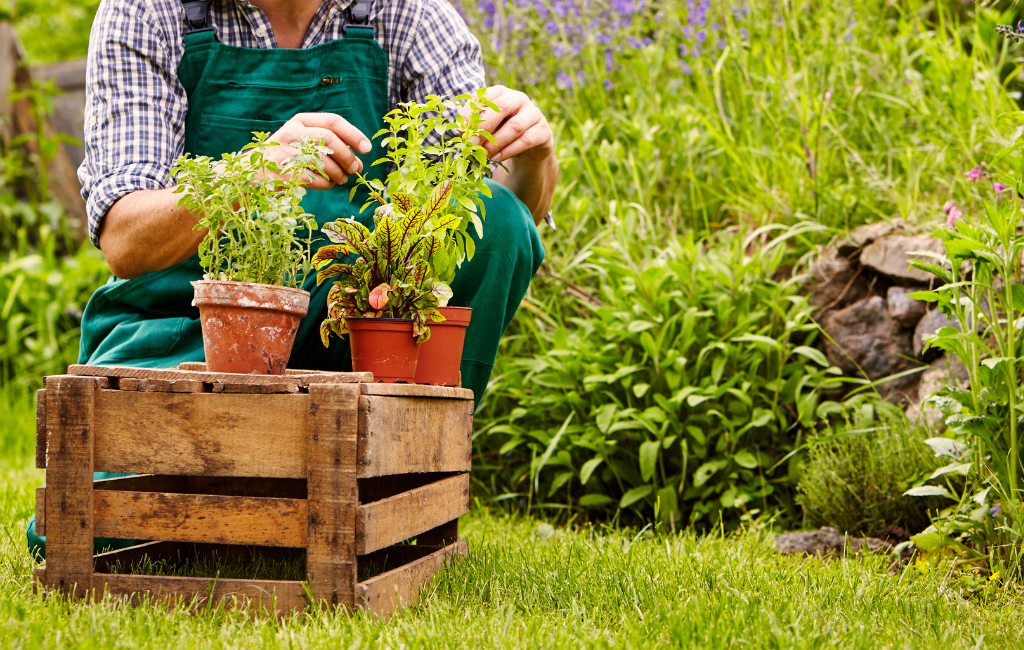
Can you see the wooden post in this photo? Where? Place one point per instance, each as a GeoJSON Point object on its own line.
{"type": "Point", "coordinates": [331, 492]}
{"type": "Point", "coordinates": [70, 403]}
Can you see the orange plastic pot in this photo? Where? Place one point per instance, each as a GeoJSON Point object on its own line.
{"type": "Point", "coordinates": [385, 347]}
{"type": "Point", "coordinates": [441, 354]}
{"type": "Point", "coordinates": [248, 328]}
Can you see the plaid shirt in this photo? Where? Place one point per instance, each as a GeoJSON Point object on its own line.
{"type": "Point", "coordinates": [135, 106]}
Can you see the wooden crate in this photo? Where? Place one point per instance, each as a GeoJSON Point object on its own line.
{"type": "Point", "coordinates": [326, 463]}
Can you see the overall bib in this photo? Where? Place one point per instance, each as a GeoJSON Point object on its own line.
{"type": "Point", "coordinates": [232, 91]}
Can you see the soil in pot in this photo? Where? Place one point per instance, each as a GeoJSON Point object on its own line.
{"type": "Point", "coordinates": [385, 347]}
{"type": "Point", "coordinates": [249, 328]}
{"type": "Point", "coordinates": [441, 354]}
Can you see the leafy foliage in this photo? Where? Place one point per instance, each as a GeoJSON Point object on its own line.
{"type": "Point", "coordinates": [684, 378]}
{"type": "Point", "coordinates": [251, 211]}
{"type": "Point", "coordinates": [456, 163]}
{"type": "Point", "coordinates": [856, 471]}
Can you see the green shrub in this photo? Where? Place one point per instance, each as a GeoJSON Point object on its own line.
{"type": "Point", "coordinates": [687, 374]}
{"type": "Point", "coordinates": [855, 474]}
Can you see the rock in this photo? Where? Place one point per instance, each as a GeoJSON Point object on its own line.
{"type": "Point", "coordinates": [946, 371]}
{"type": "Point", "coordinates": [890, 256]}
{"type": "Point", "coordinates": [930, 323]}
{"type": "Point", "coordinates": [837, 281]}
{"type": "Point", "coordinates": [902, 308]}
{"type": "Point", "coordinates": [861, 236]}
{"type": "Point", "coordinates": [867, 338]}
{"type": "Point", "coordinates": [827, 541]}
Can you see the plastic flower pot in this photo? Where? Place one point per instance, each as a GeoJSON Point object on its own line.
{"type": "Point", "coordinates": [385, 347]}
{"type": "Point", "coordinates": [441, 354]}
{"type": "Point", "coordinates": [248, 328]}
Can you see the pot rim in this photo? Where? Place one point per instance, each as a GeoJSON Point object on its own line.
{"type": "Point", "coordinates": [275, 287]}
{"type": "Point", "coordinates": [381, 320]}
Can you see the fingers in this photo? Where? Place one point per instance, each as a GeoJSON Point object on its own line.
{"type": "Point", "coordinates": [345, 161]}
{"type": "Point", "coordinates": [536, 136]}
{"type": "Point", "coordinates": [519, 129]}
{"type": "Point", "coordinates": [509, 103]}
{"type": "Point", "coordinates": [348, 134]}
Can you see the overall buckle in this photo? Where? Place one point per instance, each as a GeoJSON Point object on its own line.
{"type": "Point", "coordinates": [357, 15]}
{"type": "Point", "coordinates": [197, 16]}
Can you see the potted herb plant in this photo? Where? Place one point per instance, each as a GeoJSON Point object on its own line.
{"type": "Point", "coordinates": [434, 192]}
{"type": "Point", "coordinates": [254, 255]}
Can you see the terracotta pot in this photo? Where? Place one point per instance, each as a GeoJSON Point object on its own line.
{"type": "Point", "coordinates": [248, 328]}
{"type": "Point", "coordinates": [385, 347]}
{"type": "Point", "coordinates": [441, 354]}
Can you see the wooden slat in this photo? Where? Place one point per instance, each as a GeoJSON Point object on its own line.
{"type": "Point", "coordinates": [416, 390]}
{"type": "Point", "coordinates": [400, 435]}
{"type": "Point", "coordinates": [200, 366]}
{"type": "Point", "coordinates": [199, 518]}
{"type": "Point", "coordinates": [406, 515]}
{"type": "Point", "coordinates": [210, 377]}
{"type": "Point", "coordinates": [399, 587]}
{"type": "Point", "coordinates": [258, 389]}
{"type": "Point", "coordinates": [41, 511]}
{"type": "Point", "coordinates": [333, 496]}
{"type": "Point", "coordinates": [279, 596]}
{"type": "Point", "coordinates": [41, 428]}
{"type": "Point", "coordinates": [201, 434]}
{"type": "Point", "coordinates": [70, 405]}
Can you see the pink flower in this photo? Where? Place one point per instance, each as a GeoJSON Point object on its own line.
{"type": "Point", "coordinates": [949, 206]}
{"type": "Point", "coordinates": [999, 188]}
{"type": "Point", "coordinates": [954, 216]}
{"type": "Point", "coordinates": [976, 174]}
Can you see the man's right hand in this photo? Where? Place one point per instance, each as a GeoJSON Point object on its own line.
{"type": "Point", "coordinates": [337, 135]}
{"type": "Point", "coordinates": [146, 230]}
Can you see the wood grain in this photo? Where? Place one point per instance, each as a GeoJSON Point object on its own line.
{"type": "Point", "coordinates": [332, 493]}
{"type": "Point", "coordinates": [258, 389]}
{"type": "Point", "coordinates": [416, 390]}
{"type": "Point", "coordinates": [389, 591]}
{"type": "Point", "coordinates": [276, 596]}
{"type": "Point", "coordinates": [199, 518]}
{"type": "Point", "coordinates": [210, 377]}
{"type": "Point", "coordinates": [203, 434]}
{"type": "Point", "coordinates": [70, 405]}
{"type": "Point", "coordinates": [395, 519]}
{"type": "Point", "coordinates": [41, 428]}
{"type": "Point", "coordinates": [400, 435]}
{"type": "Point", "coordinates": [41, 511]}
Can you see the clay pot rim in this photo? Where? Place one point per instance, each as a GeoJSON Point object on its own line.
{"type": "Point", "coordinates": [460, 318]}
{"type": "Point", "coordinates": [276, 287]}
{"type": "Point", "coordinates": [381, 320]}
{"type": "Point", "coordinates": [228, 293]}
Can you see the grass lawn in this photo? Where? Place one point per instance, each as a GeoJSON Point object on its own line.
{"type": "Point", "coordinates": [529, 585]}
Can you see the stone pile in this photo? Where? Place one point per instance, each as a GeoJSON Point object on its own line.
{"type": "Point", "coordinates": [860, 289]}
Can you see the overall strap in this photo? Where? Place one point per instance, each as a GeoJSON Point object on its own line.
{"type": "Point", "coordinates": [198, 28]}
{"type": "Point", "coordinates": [357, 20]}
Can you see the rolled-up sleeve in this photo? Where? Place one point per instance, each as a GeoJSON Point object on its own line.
{"type": "Point", "coordinates": [135, 106]}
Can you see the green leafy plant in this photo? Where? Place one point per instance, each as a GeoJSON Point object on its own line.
{"type": "Point", "coordinates": [391, 277]}
{"type": "Point", "coordinates": [251, 208]}
{"type": "Point", "coordinates": [683, 378]}
{"type": "Point", "coordinates": [454, 159]}
{"type": "Point", "coordinates": [982, 290]}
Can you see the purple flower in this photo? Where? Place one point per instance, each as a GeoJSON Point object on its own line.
{"type": "Point", "coordinates": [683, 50]}
{"type": "Point", "coordinates": [721, 43]}
{"type": "Point", "coordinates": [623, 7]}
{"type": "Point", "coordinates": [558, 50]}
{"type": "Point", "coordinates": [714, 27]}
{"type": "Point", "coordinates": [603, 39]}
{"type": "Point", "coordinates": [685, 67]}
{"type": "Point", "coordinates": [561, 8]}
{"type": "Point", "coordinates": [607, 85]}
{"type": "Point", "coordinates": [744, 33]}
{"type": "Point", "coordinates": [551, 27]}
{"type": "Point", "coordinates": [577, 47]}
{"type": "Point", "coordinates": [996, 510]}
{"type": "Point", "coordinates": [702, 35]}
{"type": "Point", "coordinates": [580, 77]}
{"type": "Point", "coordinates": [848, 37]}
{"type": "Point", "coordinates": [976, 174]}
{"type": "Point", "coordinates": [999, 188]}
{"type": "Point", "coordinates": [609, 61]}
{"type": "Point", "coordinates": [563, 80]}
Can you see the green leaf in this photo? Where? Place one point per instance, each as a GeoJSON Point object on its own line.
{"type": "Point", "coordinates": [594, 500]}
{"type": "Point", "coordinates": [928, 491]}
{"type": "Point", "coordinates": [706, 471]}
{"type": "Point", "coordinates": [588, 469]}
{"type": "Point", "coordinates": [817, 356]}
{"type": "Point", "coordinates": [745, 459]}
{"type": "Point", "coordinates": [959, 468]}
{"type": "Point", "coordinates": [639, 390]}
{"type": "Point", "coordinates": [634, 495]}
{"type": "Point", "coordinates": [649, 458]}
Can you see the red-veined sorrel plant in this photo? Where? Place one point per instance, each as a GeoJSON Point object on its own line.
{"type": "Point", "coordinates": [982, 276]}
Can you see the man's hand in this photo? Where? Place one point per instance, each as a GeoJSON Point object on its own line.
{"type": "Point", "coordinates": [524, 143]}
{"type": "Point", "coordinates": [336, 133]}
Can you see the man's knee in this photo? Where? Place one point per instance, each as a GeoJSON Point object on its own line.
{"type": "Point", "coordinates": [508, 225]}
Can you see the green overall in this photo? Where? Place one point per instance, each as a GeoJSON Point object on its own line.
{"type": "Point", "coordinates": [232, 91]}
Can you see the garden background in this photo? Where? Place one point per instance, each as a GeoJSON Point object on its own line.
{"type": "Point", "coordinates": [661, 406]}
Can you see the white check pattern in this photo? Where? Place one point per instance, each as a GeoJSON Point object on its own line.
{"type": "Point", "coordinates": [135, 106]}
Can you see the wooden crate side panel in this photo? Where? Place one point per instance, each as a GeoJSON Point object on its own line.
{"type": "Point", "coordinates": [400, 435]}
{"type": "Point", "coordinates": [41, 511]}
{"type": "Point", "coordinates": [400, 587]}
{"type": "Point", "coordinates": [222, 377]}
{"type": "Point", "coordinates": [395, 519]}
{"type": "Point", "coordinates": [199, 518]}
{"type": "Point", "coordinates": [416, 390]}
{"type": "Point", "coordinates": [332, 492]}
{"type": "Point", "coordinates": [68, 500]}
{"type": "Point", "coordinates": [278, 596]}
{"type": "Point", "coordinates": [41, 428]}
{"type": "Point", "coordinates": [202, 434]}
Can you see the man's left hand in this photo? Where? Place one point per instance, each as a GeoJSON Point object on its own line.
{"type": "Point", "coordinates": [518, 127]}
